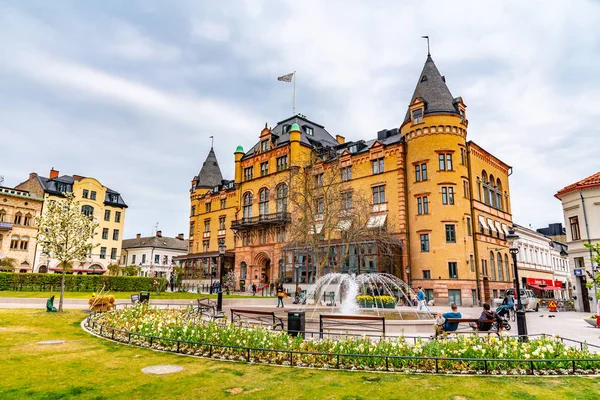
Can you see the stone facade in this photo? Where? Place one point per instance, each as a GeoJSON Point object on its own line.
{"type": "Point", "coordinates": [18, 210]}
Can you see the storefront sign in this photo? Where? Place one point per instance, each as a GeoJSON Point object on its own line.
{"type": "Point", "coordinates": [540, 282]}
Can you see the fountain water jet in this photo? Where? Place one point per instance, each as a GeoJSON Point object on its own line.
{"type": "Point", "coordinates": [346, 288]}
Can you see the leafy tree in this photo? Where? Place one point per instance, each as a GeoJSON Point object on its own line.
{"type": "Point", "coordinates": [8, 264]}
{"type": "Point", "coordinates": [65, 233]}
{"type": "Point", "coordinates": [595, 258]}
{"type": "Point", "coordinates": [131, 270]}
{"type": "Point", "coordinates": [113, 269]}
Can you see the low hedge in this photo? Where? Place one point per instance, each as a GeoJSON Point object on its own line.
{"type": "Point", "coordinates": [76, 283]}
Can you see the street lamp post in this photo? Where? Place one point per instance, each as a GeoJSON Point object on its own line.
{"type": "Point", "coordinates": [221, 268]}
{"type": "Point", "coordinates": [513, 241]}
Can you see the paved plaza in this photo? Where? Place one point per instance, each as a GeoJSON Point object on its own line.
{"type": "Point", "coordinates": [569, 324]}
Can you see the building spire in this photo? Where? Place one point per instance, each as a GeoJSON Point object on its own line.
{"type": "Point", "coordinates": [210, 173]}
{"type": "Point", "coordinates": [212, 141]}
{"type": "Point", "coordinates": [431, 88]}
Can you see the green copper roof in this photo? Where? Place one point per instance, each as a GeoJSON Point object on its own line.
{"type": "Point", "coordinates": [295, 127]}
{"type": "Point", "coordinates": [239, 149]}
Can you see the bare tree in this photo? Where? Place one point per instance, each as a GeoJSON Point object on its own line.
{"type": "Point", "coordinates": [328, 214]}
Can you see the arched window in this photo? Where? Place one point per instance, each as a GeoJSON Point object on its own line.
{"type": "Point", "coordinates": [479, 188]}
{"type": "Point", "coordinates": [1, 240]}
{"type": "Point", "coordinates": [87, 211]}
{"type": "Point", "coordinates": [2, 216]}
{"type": "Point", "coordinates": [500, 270]}
{"type": "Point", "coordinates": [282, 198]}
{"type": "Point", "coordinates": [499, 202]}
{"type": "Point", "coordinates": [42, 269]}
{"type": "Point", "coordinates": [24, 245]}
{"type": "Point", "coordinates": [493, 265]}
{"type": "Point", "coordinates": [248, 205]}
{"type": "Point", "coordinates": [14, 242]}
{"type": "Point", "coordinates": [27, 220]}
{"type": "Point", "coordinates": [263, 202]}
{"type": "Point", "coordinates": [507, 266]}
{"type": "Point", "coordinates": [243, 270]}
{"type": "Point", "coordinates": [484, 184]}
{"type": "Point", "coordinates": [18, 218]}
{"type": "Point", "coordinates": [492, 201]}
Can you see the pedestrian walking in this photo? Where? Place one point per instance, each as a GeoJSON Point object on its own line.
{"type": "Point", "coordinates": [280, 294]}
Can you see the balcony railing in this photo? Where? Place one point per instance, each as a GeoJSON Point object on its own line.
{"type": "Point", "coordinates": [6, 225]}
{"type": "Point", "coordinates": [275, 218]}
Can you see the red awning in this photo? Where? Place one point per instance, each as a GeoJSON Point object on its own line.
{"type": "Point", "coordinates": [545, 287]}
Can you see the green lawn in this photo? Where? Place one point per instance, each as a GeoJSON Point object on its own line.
{"type": "Point", "coordinates": [118, 295]}
{"type": "Point", "coordinates": [86, 367]}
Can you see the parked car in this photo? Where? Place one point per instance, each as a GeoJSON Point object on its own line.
{"type": "Point", "coordinates": [528, 299]}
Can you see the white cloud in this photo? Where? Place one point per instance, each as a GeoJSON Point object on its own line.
{"type": "Point", "coordinates": [210, 30]}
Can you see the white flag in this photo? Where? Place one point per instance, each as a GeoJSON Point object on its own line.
{"type": "Point", "coordinates": [286, 78]}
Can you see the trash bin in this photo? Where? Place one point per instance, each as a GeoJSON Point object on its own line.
{"type": "Point", "coordinates": [144, 297]}
{"type": "Point", "coordinates": [296, 323]}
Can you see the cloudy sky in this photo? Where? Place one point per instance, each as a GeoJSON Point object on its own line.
{"type": "Point", "coordinates": [129, 92]}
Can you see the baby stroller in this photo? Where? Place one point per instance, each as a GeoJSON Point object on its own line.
{"type": "Point", "coordinates": [504, 312]}
{"type": "Point", "coordinates": [300, 298]}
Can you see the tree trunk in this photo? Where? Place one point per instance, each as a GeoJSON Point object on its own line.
{"type": "Point", "coordinates": [62, 288]}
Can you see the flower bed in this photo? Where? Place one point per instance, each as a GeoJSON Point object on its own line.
{"type": "Point", "coordinates": [175, 330]}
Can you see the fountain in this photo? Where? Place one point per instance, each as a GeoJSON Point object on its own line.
{"type": "Point", "coordinates": [337, 293]}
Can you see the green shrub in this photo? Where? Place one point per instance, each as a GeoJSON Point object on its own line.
{"type": "Point", "coordinates": [76, 283]}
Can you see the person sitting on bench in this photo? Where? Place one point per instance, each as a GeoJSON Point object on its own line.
{"type": "Point", "coordinates": [486, 315]}
{"type": "Point", "coordinates": [449, 326]}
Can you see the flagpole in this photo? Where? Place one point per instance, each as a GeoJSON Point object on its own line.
{"type": "Point", "coordinates": [294, 93]}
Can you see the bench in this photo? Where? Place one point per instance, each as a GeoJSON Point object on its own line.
{"type": "Point", "coordinates": [208, 308]}
{"type": "Point", "coordinates": [255, 317]}
{"type": "Point", "coordinates": [495, 326]}
{"type": "Point", "coordinates": [351, 323]}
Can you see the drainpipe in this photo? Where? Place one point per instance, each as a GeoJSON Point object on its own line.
{"type": "Point", "coordinates": [474, 230]}
{"type": "Point", "coordinates": [587, 232]}
{"type": "Point", "coordinates": [406, 269]}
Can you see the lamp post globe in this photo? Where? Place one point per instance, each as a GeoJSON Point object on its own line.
{"type": "Point", "coordinates": [513, 243]}
{"type": "Point", "coordinates": [220, 273]}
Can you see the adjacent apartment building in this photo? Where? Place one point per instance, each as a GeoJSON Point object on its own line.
{"type": "Point", "coordinates": [105, 205]}
{"type": "Point", "coordinates": [443, 197]}
{"type": "Point", "coordinates": [581, 209]}
{"type": "Point", "coordinates": [154, 255]}
{"type": "Point", "coordinates": [18, 210]}
{"type": "Point", "coordinates": [543, 264]}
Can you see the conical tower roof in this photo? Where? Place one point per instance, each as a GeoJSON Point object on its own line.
{"type": "Point", "coordinates": [432, 89]}
{"type": "Point", "coordinates": [210, 173]}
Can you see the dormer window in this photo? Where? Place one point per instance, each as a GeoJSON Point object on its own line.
{"type": "Point", "coordinates": [286, 128]}
{"type": "Point", "coordinates": [114, 198]}
{"type": "Point", "coordinates": [462, 115]}
{"type": "Point", "coordinates": [352, 149]}
{"type": "Point", "coordinates": [308, 130]}
{"type": "Point", "coordinates": [264, 145]}
{"type": "Point", "coordinates": [417, 116]}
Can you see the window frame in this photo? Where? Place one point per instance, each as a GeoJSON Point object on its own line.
{"type": "Point", "coordinates": [450, 230]}
{"type": "Point", "coordinates": [574, 224]}
{"type": "Point", "coordinates": [425, 244]}
{"type": "Point", "coordinates": [452, 267]}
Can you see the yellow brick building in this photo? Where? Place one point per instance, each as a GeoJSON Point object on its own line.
{"type": "Point", "coordinates": [105, 205]}
{"type": "Point", "coordinates": [444, 197]}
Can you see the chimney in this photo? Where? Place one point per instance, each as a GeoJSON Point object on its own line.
{"type": "Point", "coordinates": [340, 139]}
{"type": "Point", "coordinates": [139, 235]}
{"type": "Point", "coordinates": [158, 233]}
{"type": "Point", "coordinates": [78, 177]}
{"type": "Point", "coordinates": [53, 173]}
{"type": "Point", "coordinates": [32, 175]}
{"type": "Point", "coordinates": [180, 236]}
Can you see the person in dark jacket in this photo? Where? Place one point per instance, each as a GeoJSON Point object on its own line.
{"type": "Point", "coordinates": [487, 315]}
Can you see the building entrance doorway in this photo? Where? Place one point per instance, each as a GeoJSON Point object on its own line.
{"type": "Point", "coordinates": [584, 294]}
